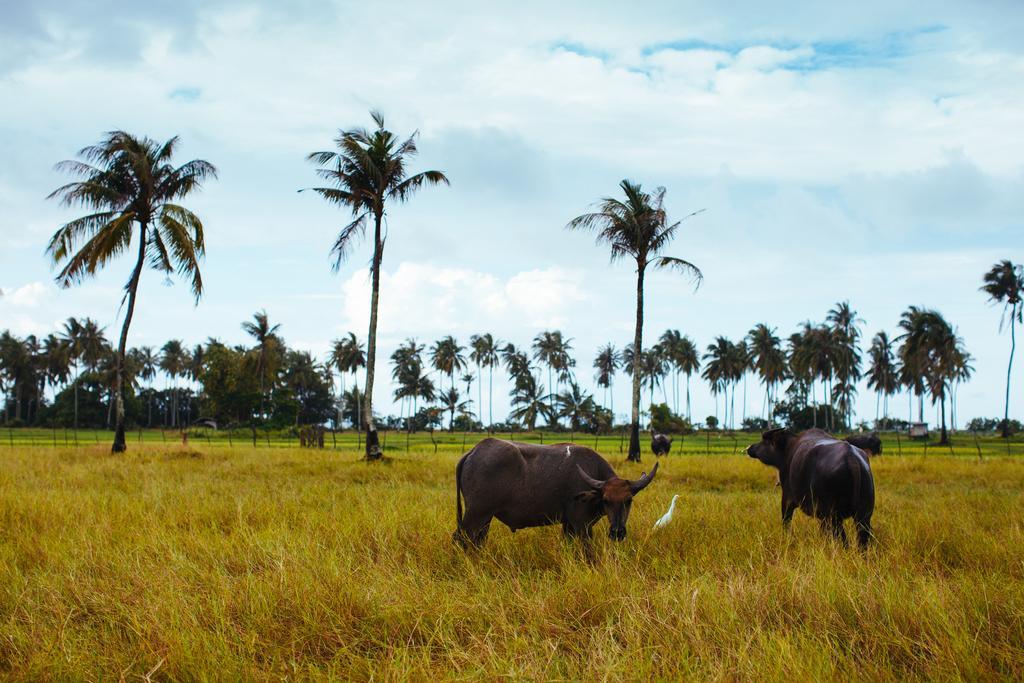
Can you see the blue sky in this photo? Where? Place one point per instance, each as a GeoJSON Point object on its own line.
{"type": "Point", "coordinates": [872, 153]}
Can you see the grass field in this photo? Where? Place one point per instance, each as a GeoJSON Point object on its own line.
{"type": "Point", "coordinates": [205, 562]}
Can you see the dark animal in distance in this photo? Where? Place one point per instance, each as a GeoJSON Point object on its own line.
{"type": "Point", "coordinates": [869, 443]}
{"type": "Point", "coordinates": [527, 485]}
{"type": "Point", "coordinates": [827, 479]}
{"type": "Point", "coordinates": [661, 444]}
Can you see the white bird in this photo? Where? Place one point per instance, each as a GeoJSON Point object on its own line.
{"type": "Point", "coordinates": [667, 517]}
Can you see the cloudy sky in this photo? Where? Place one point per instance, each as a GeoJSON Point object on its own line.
{"type": "Point", "coordinates": [873, 153]}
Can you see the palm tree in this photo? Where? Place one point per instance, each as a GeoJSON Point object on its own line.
{"type": "Point", "coordinates": [768, 360]}
{"type": "Point", "coordinates": [608, 360]}
{"type": "Point", "coordinates": [1004, 284]}
{"type": "Point", "coordinates": [172, 362]}
{"type": "Point", "coordinates": [450, 402]}
{"type": "Point", "coordinates": [670, 343]}
{"type": "Point", "coordinates": [485, 354]}
{"type": "Point", "coordinates": [551, 349]}
{"type": "Point", "coordinates": [407, 371]}
{"type": "Point", "coordinates": [132, 186]}
{"type": "Point", "coordinates": [148, 363]}
{"type": "Point", "coordinates": [56, 361]}
{"type": "Point", "coordinates": [638, 228]}
{"type": "Point", "coordinates": [368, 174]}
{"type": "Point", "coordinates": [530, 402]}
{"type": "Point", "coordinates": [576, 405]}
{"type": "Point", "coordinates": [267, 351]}
{"type": "Point", "coordinates": [446, 357]}
{"type": "Point", "coordinates": [688, 359]}
{"type": "Point", "coordinates": [931, 348]}
{"type": "Point", "coordinates": [723, 367]}
{"type": "Point", "coordinates": [86, 342]}
{"type": "Point", "coordinates": [883, 375]}
{"type": "Point", "coordinates": [846, 352]}
{"type": "Point", "coordinates": [347, 356]}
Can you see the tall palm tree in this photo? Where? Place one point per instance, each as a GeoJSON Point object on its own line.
{"type": "Point", "coordinates": [883, 375]}
{"type": "Point", "coordinates": [148, 362]}
{"type": "Point", "coordinates": [934, 352]}
{"type": "Point", "coordinates": [368, 174]}
{"type": "Point", "coordinates": [86, 342]}
{"type": "Point", "coordinates": [485, 355]}
{"type": "Point", "coordinates": [172, 362]}
{"type": "Point", "coordinates": [268, 351]}
{"type": "Point", "coordinates": [688, 359]}
{"type": "Point", "coordinates": [450, 402]}
{"type": "Point", "coordinates": [551, 349]}
{"type": "Point", "coordinates": [56, 361]}
{"type": "Point", "coordinates": [530, 402]}
{"type": "Point", "coordinates": [446, 357]}
{"type": "Point", "coordinates": [845, 327]}
{"type": "Point", "coordinates": [133, 187]}
{"type": "Point", "coordinates": [347, 356]}
{"type": "Point", "coordinates": [769, 361]}
{"type": "Point", "coordinates": [1004, 284]}
{"type": "Point", "coordinates": [636, 227]}
{"type": "Point", "coordinates": [576, 405]}
{"type": "Point", "coordinates": [607, 362]}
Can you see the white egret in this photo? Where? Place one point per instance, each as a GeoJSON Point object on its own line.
{"type": "Point", "coordinates": [667, 517]}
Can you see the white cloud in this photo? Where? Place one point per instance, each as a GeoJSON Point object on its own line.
{"type": "Point", "coordinates": [25, 296]}
{"type": "Point", "coordinates": [422, 299]}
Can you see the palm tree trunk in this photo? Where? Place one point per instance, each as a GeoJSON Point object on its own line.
{"type": "Point", "coordinates": [490, 397]}
{"type": "Point", "coordinates": [120, 446]}
{"type": "Point", "coordinates": [688, 414]}
{"type": "Point", "coordinates": [372, 445]}
{"type": "Point", "coordinates": [1009, 370]}
{"type": "Point", "coordinates": [76, 395]}
{"type": "Point", "coordinates": [942, 408]}
{"type": "Point", "coordinates": [634, 428]}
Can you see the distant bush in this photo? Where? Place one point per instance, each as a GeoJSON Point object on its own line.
{"type": "Point", "coordinates": [755, 424]}
{"type": "Point", "coordinates": [992, 424]}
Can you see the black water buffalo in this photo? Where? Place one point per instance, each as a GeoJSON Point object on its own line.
{"type": "Point", "coordinates": [869, 443]}
{"type": "Point", "coordinates": [660, 444]}
{"type": "Point", "coordinates": [826, 478]}
{"type": "Point", "coordinates": [526, 485]}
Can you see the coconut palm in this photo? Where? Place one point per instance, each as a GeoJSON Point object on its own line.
{"type": "Point", "coordinates": [670, 343]}
{"type": "Point", "coordinates": [576, 405]}
{"type": "Point", "coordinates": [172, 362]}
{"type": "Point", "coordinates": [450, 402]}
{"type": "Point", "coordinates": [769, 361]}
{"type": "Point", "coordinates": [883, 375]}
{"type": "Point", "coordinates": [530, 402]}
{"type": "Point", "coordinates": [86, 342]}
{"type": "Point", "coordinates": [551, 349]}
{"type": "Point", "coordinates": [368, 174]}
{"type": "Point", "coordinates": [688, 359]}
{"type": "Point", "coordinates": [1004, 284]}
{"type": "Point", "coordinates": [934, 352]}
{"type": "Point", "coordinates": [446, 357]}
{"type": "Point", "coordinates": [347, 356]}
{"type": "Point", "coordinates": [517, 365]}
{"type": "Point", "coordinates": [607, 362]}
{"type": "Point", "coordinates": [724, 365]}
{"type": "Point", "coordinates": [268, 351]}
{"type": "Point", "coordinates": [484, 354]}
{"type": "Point", "coordinates": [845, 327]}
{"type": "Point", "coordinates": [130, 183]}
{"type": "Point", "coordinates": [636, 227]}
{"type": "Point", "coordinates": [148, 362]}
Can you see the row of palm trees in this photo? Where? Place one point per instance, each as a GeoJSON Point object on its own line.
{"type": "Point", "coordinates": [926, 358]}
{"type": "Point", "coordinates": [133, 192]}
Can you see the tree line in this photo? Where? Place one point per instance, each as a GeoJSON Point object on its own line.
{"type": "Point", "coordinates": [133, 192]}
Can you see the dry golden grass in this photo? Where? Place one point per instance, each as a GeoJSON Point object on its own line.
{"type": "Point", "coordinates": [233, 563]}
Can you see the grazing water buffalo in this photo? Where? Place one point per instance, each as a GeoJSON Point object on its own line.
{"type": "Point", "coordinates": [660, 444]}
{"type": "Point", "coordinates": [869, 443]}
{"type": "Point", "coordinates": [526, 485]}
{"type": "Point", "coordinates": [826, 478]}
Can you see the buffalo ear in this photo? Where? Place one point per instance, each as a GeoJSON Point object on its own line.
{"type": "Point", "coordinates": [587, 495]}
{"type": "Point", "coordinates": [778, 438]}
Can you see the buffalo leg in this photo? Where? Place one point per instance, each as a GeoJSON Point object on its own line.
{"type": "Point", "coordinates": [833, 524]}
{"type": "Point", "coordinates": [474, 529]}
{"type": "Point", "coordinates": [863, 530]}
{"type": "Point", "coordinates": [787, 512]}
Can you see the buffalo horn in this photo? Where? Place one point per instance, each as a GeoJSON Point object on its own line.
{"type": "Point", "coordinates": [591, 482]}
{"type": "Point", "coordinates": [645, 479]}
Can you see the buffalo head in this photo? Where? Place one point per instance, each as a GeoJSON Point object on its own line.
{"type": "Point", "coordinates": [616, 496]}
{"type": "Point", "coordinates": [772, 447]}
